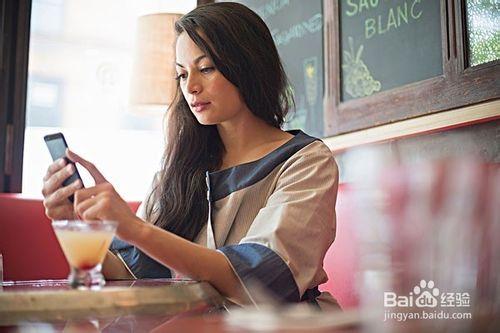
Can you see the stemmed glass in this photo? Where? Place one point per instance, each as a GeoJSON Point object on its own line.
{"type": "Point", "coordinates": [85, 244]}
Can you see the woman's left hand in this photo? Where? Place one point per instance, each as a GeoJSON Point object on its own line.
{"type": "Point", "coordinates": [102, 202]}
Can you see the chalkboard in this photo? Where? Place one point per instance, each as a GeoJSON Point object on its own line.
{"type": "Point", "coordinates": [388, 43]}
{"type": "Point", "coordinates": [297, 30]}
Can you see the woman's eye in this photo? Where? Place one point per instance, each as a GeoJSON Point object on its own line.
{"type": "Point", "coordinates": [206, 70]}
{"type": "Point", "coordinates": [181, 76]}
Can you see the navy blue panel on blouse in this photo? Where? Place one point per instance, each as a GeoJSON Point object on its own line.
{"type": "Point", "coordinates": [139, 263]}
{"type": "Point", "coordinates": [227, 181]}
{"type": "Point", "coordinates": [255, 262]}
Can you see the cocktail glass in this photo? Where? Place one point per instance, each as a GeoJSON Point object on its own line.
{"type": "Point", "coordinates": [85, 245]}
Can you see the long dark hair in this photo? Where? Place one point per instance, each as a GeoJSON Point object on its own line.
{"type": "Point", "coordinates": [242, 49]}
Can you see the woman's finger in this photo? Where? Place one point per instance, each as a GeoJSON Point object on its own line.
{"type": "Point", "coordinates": [91, 214]}
{"type": "Point", "coordinates": [54, 182]}
{"type": "Point", "coordinates": [91, 168]}
{"type": "Point", "coordinates": [59, 212]}
{"type": "Point", "coordinates": [82, 207]}
{"type": "Point", "coordinates": [85, 193]}
{"type": "Point", "coordinates": [63, 193]}
{"type": "Point", "coordinates": [54, 167]}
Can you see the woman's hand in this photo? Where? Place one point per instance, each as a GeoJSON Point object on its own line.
{"type": "Point", "coordinates": [55, 196]}
{"type": "Point", "coordinates": [102, 202]}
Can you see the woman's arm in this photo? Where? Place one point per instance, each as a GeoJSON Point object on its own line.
{"type": "Point", "coordinates": [102, 202]}
{"type": "Point", "coordinates": [185, 257]}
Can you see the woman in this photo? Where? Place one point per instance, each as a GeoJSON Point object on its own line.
{"type": "Point", "coordinates": [269, 218]}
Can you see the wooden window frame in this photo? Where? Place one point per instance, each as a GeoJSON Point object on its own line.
{"type": "Point", "coordinates": [14, 45]}
{"type": "Point", "coordinates": [457, 87]}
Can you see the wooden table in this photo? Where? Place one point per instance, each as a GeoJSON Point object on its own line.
{"type": "Point", "coordinates": [172, 305]}
{"type": "Point", "coordinates": [159, 305]}
{"type": "Point", "coordinates": [151, 299]}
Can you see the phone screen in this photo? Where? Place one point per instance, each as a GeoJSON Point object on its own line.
{"type": "Point", "coordinates": [57, 145]}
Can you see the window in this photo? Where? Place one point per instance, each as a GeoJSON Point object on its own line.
{"type": "Point", "coordinates": [47, 16]}
{"type": "Point", "coordinates": [80, 60]}
{"type": "Point", "coordinates": [43, 102]}
{"type": "Point", "coordinates": [483, 31]}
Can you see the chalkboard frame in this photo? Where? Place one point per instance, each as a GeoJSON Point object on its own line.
{"type": "Point", "coordinates": [459, 86]}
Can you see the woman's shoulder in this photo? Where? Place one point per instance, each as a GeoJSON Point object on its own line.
{"type": "Point", "coordinates": [309, 142]}
{"type": "Point", "coordinates": [314, 158]}
{"type": "Point", "coordinates": [315, 148]}
{"type": "Point", "coordinates": [318, 147]}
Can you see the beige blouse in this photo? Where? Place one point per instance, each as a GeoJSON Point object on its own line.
{"type": "Point", "coordinates": [274, 220]}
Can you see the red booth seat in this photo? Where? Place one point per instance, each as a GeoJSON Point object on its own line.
{"type": "Point", "coordinates": [341, 260]}
{"type": "Point", "coordinates": [27, 242]}
{"type": "Point", "coordinates": [31, 251]}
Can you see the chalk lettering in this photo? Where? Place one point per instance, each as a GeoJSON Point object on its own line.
{"type": "Point", "coordinates": [354, 7]}
{"type": "Point", "coordinates": [413, 15]}
{"type": "Point", "coordinates": [370, 29]}
{"type": "Point", "coordinates": [393, 19]}
{"type": "Point", "coordinates": [312, 25]}
{"type": "Point", "coordinates": [403, 14]}
{"type": "Point", "coordinates": [272, 8]}
{"type": "Point", "coordinates": [360, 6]}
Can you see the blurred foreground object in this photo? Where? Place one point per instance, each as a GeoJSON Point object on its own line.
{"type": "Point", "coordinates": [289, 318]}
{"type": "Point", "coordinates": [426, 231]}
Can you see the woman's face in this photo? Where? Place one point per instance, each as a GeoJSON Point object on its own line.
{"type": "Point", "coordinates": [211, 97]}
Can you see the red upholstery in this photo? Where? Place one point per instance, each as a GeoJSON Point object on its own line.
{"type": "Point", "coordinates": [342, 258]}
{"type": "Point", "coordinates": [27, 242]}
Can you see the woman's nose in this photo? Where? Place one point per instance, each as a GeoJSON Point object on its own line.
{"type": "Point", "coordinates": [193, 84]}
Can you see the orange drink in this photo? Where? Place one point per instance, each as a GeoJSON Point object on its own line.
{"type": "Point", "coordinates": [85, 244]}
{"type": "Point", "coordinates": [84, 249]}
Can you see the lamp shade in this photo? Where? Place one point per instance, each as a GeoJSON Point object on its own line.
{"type": "Point", "coordinates": [152, 84]}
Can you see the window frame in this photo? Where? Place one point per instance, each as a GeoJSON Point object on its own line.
{"type": "Point", "coordinates": [15, 18]}
{"type": "Point", "coordinates": [458, 87]}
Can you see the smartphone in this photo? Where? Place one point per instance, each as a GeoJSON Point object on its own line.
{"type": "Point", "coordinates": [57, 147]}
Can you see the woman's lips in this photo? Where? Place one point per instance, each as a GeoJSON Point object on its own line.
{"type": "Point", "coordinates": [200, 107]}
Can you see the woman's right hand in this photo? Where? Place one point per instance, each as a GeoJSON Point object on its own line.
{"type": "Point", "coordinates": [56, 202]}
